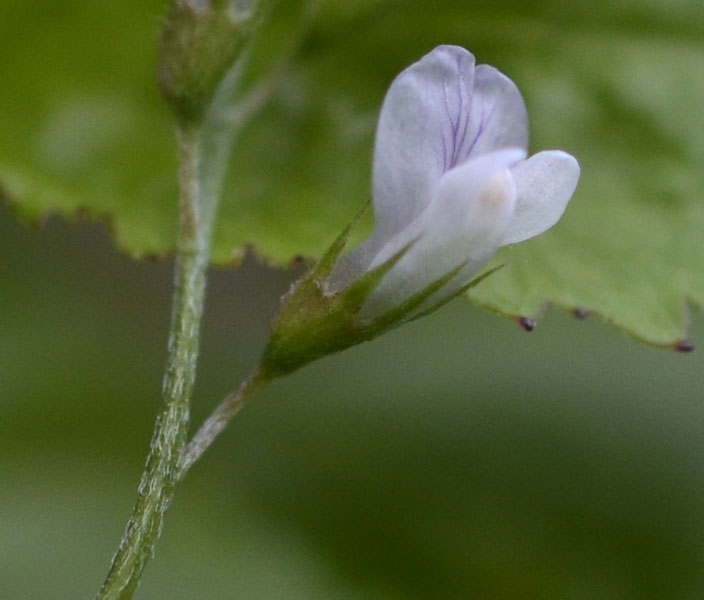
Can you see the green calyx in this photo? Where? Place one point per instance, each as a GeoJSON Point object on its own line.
{"type": "Point", "coordinates": [199, 43]}
{"type": "Point", "coordinates": [312, 321]}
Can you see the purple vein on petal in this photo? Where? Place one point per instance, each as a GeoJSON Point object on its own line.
{"type": "Point", "coordinates": [483, 124]}
{"type": "Point", "coordinates": [447, 165]}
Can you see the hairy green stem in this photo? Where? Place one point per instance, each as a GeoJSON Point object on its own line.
{"type": "Point", "coordinates": [162, 467]}
{"type": "Point", "coordinates": [219, 419]}
{"type": "Point", "coordinates": [204, 151]}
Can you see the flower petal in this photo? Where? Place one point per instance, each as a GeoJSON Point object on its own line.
{"type": "Point", "coordinates": [464, 225]}
{"type": "Point", "coordinates": [498, 115]}
{"type": "Point", "coordinates": [544, 183]}
{"type": "Point", "coordinates": [414, 135]}
{"type": "Point", "coordinates": [437, 114]}
{"type": "Point", "coordinates": [352, 265]}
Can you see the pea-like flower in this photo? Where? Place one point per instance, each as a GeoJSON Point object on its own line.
{"type": "Point", "coordinates": [451, 181]}
{"type": "Point", "coordinates": [451, 185]}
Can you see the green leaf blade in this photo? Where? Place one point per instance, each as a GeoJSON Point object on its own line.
{"type": "Point", "coordinates": [619, 87]}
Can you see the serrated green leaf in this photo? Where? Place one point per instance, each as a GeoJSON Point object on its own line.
{"type": "Point", "coordinates": [619, 85]}
{"type": "Point", "coordinates": [83, 129]}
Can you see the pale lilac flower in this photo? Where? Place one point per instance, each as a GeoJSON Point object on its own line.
{"type": "Point", "coordinates": [451, 180]}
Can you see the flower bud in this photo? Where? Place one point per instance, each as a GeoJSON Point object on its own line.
{"type": "Point", "coordinates": [199, 43]}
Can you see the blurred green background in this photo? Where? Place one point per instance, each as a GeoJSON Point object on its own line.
{"type": "Point", "coordinates": [457, 457]}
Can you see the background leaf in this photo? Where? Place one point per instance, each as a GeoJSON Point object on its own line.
{"type": "Point", "coordinates": [618, 84]}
